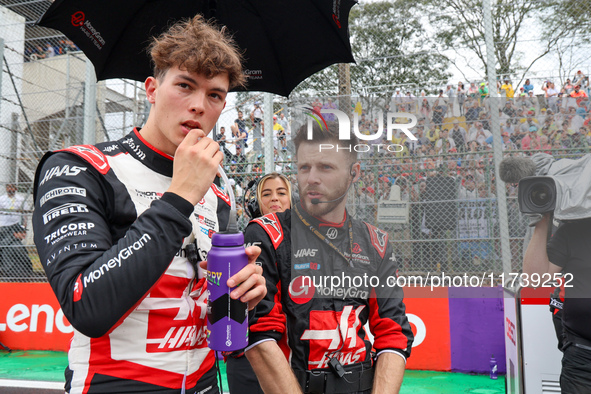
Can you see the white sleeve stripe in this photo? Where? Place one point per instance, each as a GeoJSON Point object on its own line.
{"type": "Point", "coordinates": [392, 351]}
{"type": "Point", "coordinates": [258, 343]}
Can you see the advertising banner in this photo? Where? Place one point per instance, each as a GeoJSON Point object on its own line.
{"type": "Point", "coordinates": [31, 318]}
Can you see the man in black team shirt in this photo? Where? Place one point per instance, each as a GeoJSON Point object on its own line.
{"type": "Point", "coordinates": [119, 227]}
{"type": "Point", "coordinates": [239, 130]}
{"type": "Point", "coordinates": [568, 252]}
{"type": "Point", "coordinates": [324, 326]}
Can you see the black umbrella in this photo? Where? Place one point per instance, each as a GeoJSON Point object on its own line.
{"type": "Point", "coordinates": [284, 41]}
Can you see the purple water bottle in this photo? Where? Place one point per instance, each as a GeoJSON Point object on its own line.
{"type": "Point", "coordinates": [493, 367]}
{"type": "Point", "coordinates": [227, 319]}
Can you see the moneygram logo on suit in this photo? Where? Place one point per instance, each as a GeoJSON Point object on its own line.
{"type": "Point", "coordinates": [345, 129]}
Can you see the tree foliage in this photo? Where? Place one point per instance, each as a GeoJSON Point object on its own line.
{"type": "Point", "coordinates": [573, 14]}
{"type": "Point", "coordinates": [390, 47]}
{"type": "Point", "coordinates": [460, 24]}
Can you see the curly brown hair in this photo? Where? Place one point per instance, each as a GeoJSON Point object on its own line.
{"type": "Point", "coordinates": [198, 46]}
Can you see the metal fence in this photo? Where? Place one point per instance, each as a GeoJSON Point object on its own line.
{"type": "Point", "coordinates": [410, 57]}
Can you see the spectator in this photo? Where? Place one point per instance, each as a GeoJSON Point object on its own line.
{"type": "Point", "coordinates": [527, 86]}
{"type": "Point", "coordinates": [519, 117]}
{"type": "Point", "coordinates": [468, 188]}
{"type": "Point", "coordinates": [459, 136]}
{"type": "Point", "coordinates": [472, 90]}
{"type": "Point", "coordinates": [409, 102]}
{"type": "Point", "coordinates": [256, 117]}
{"type": "Point", "coordinates": [531, 136]}
{"type": "Point", "coordinates": [472, 109]}
{"type": "Point", "coordinates": [285, 124]}
{"type": "Point", "coordinates": [578, 118]}
{"type": "Point", "coordinates": [579, 141]}
{"type": "Point", "coordinates": [547, 147]}
{"type": "Point", "coordinates": [439, 109]}
{"type": "Point", "coordinates": [49, 50]}
{"type": "Point", "coordinates": [580, 96]}
{"type": "Point", "coordinates": [329, 105]}
{"type": "Point", "coordinates": [478, 133]}
{"type": "Point", "coordinates": [509, 109]}
{"type": "Point", "coordinates": [532, 100]}
{"type": "Point", "coordinates": [221, 138]}
{"type": "Point", "coordinates": [398, 100]}
{"type": "Point", "coordinates": [566, 129]}
{"type": "Point", "coordinates": [483, 91]}
{"type": "Point", "coordinates": [414, 145]}
{"type": "Point", "coordinates": [503, 117]}
{"type": "Point", "coordinates": [507, 143]}
{"type": "Point", "coordinates": [551, 95]}
{"type": "Point", "coordinates": [508, 128]}
{"type": "Point", "coordinates": [561, 116]}
{"type": "Point", "coordinates": [483, 191]}
{"type": "Point", "coordinates": [484, 118]}
{"type": "Point", "coordinates": [425, 108]}
{"type": "Point", "coordinates": [433, 134]}
{"type": "Point", "coordinates": [445, 143]}
{"type": "Point", "coordinates": [279, 133]}
{"type": "Point", "coordinates": [316, 104]}
{"type": "Point", "coordinates": [529, 122]}
{"type": "Point", "coordinates": [542, 116]}
{"type": "Point", "coordinates": [507, 87]}
{"type": "Point", "coordinates": [580, 79]}
{"type": "Point", "coordinates": [461, 93]}
{"type": "Point", "coordinates": [239, 130]}
{"type": "Point", "coordinates": [15, 263]}
{"type": "Point", "coordinates": [38, 53]}
{"type": "Point", "coordinates": [568, 87]}
{"type": "Point", "coordinates": [450, 93]}
{"type": "Point", "coordinates": [237, 158]}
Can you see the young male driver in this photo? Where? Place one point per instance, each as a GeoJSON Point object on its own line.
{"type": "Point", "coordinates": [115, 225]}
{"type": "Point", "coordinates": [324, 326]}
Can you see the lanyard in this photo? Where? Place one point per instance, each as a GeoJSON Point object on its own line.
{"type": "Point", "coordinates": [326, 240]}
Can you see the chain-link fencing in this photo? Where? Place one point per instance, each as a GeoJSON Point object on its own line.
{"type": "Point", "coordinates": [436, 196]}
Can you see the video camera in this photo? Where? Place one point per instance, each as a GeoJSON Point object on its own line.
{"type": "Point", "coordinates": [550, 185]}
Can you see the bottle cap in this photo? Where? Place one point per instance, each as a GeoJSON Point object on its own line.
{"type": "Point", "coordinates": [227, 239]}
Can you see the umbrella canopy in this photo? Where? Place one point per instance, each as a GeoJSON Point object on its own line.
{"type": "Point", "coordinates": [284, 41]}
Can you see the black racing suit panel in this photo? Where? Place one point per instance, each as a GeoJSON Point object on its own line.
{"type": "Point", "coordinates": [112, 242]}
{"type": "Point", "coordinates": [570, 249]}
{"type": "Point", "coordinates": [319, 327]}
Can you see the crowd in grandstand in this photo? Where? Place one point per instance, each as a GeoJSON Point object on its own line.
{"type": "Point", "coordinates": [454, 128]}
{"type": "Point", "coordinates": [453, 140]}
{"type": "Point", "coordinates": [47, 50]}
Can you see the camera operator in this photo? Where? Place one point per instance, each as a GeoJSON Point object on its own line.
{"type": "Point", "coordinates": [568, 252]}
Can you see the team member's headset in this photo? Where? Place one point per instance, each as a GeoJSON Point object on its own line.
{"type": "Point", "coordinates": [251, 203]}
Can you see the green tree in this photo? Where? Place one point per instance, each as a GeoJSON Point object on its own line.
{"type": "Point", "coordinates": [391, 48]}
{"type": "Point", "coordinates": [459, 24]}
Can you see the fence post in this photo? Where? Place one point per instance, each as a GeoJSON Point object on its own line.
{"type": "Point", "coordinates": [496, 132]}
{"type": "Point", "coordinates": [89, 133]}
{"type": "Point", "coordinates": [1, 68]}
{"type": "Point", "coordinates": [268, 146]}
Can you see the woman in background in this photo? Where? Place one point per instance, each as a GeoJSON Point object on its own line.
{"type": "Point", "coordinates": [273, 194]}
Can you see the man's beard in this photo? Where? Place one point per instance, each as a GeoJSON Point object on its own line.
{"type": "Point", "coordinates": [323, 208]}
